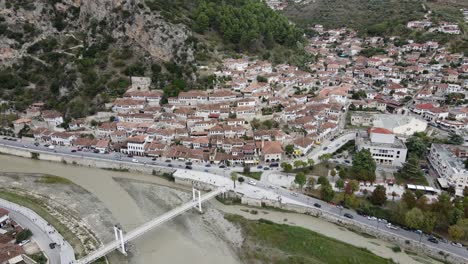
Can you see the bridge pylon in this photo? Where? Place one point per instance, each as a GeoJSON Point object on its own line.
{"type": "Point", "coordinates": [196, 196]}
{"type": "Point", "coordinates": [119, 237]}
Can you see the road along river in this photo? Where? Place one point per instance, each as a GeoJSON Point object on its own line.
{"type": "Point", "coordinates": [133, 199]}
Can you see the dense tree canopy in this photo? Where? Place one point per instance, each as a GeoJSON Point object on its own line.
{"type": "Point", "coordinates": [363, 166]}
{"type": "Point", "coordinates": [248, 24]}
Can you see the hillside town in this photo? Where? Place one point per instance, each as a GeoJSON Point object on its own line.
{"type": "Point", "coordinates": [258, 109]}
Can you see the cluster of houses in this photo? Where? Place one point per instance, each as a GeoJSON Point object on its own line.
{"type": "Point", "coordinates": [10, 252]}
{"type": "Point", "coordinates": [257, 108]}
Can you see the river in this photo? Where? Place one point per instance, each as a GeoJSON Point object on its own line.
{"type": "Point", "coordinates": [170, 244]}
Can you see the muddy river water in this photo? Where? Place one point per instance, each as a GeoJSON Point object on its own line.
{"type": "Point", "coordinates": [174, 242]}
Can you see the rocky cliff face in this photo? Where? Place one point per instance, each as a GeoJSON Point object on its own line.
{"type": "Point", "coordinates": [127, 22]}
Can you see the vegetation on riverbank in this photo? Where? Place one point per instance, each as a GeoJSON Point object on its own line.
{"type": "Point", "coordinates": [51, 179]}
{"type": "Point", "coordinates": [267, 242]}
{"type": "Point", "coordinates": [40, 208]}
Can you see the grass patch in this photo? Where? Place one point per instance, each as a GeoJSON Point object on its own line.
{"type": "Point", "coordinates": [401, 180]}
{"type": "Point", "coordinates": [257, 175]}
{"type": "Point", "coordinates": [50, 179]}
{"type": "Point", "coordinates": [116, 169]}
{"type": "Point", "coordinates": [267, 242]}
{"type": "Point", "coordinates": [39, 207]}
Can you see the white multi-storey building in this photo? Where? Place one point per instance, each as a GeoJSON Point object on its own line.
{"type": "Point", "coordinates": [385, 148]}
{"type": "Point", "coordinates": [447, 160]}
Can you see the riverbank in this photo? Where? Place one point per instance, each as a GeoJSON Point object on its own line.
{"type": "Point", "coordinates": [133, 198]}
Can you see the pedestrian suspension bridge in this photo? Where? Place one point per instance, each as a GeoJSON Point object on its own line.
{"type": "Point", "coordinates": [121, 239]}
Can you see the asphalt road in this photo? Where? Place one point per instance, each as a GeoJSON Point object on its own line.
{"type": "Point", "coordinates": [327, 208]}
{"type": "Point", "coordinates": [39, 236]}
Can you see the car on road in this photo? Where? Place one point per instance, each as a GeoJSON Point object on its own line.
{"type": "Point", "coordinates": [252, 183]}
{"type": "Point", "coordinates": [222, 166]}
{"type": "Point", "coordinates": [317, 205]}
{"type": "Point", "coordinates": [259, 167]}
{"type": "Point", "coordinates": [36, 144]}
{"type": "Point", "coordinates": [372, 218]}
{"type": "Point", "coordinates": [458, 245]}
{"type": "Point", "coordinates": [168, 160]}
{"type": "Point", "coordinates": [419, 232]}
{"type": "Point", "coordinates": [51, 147]}
{"type": "Point", "coordinates": [266, 168]}
{"type": "Point", "coordinates": [130, 155]}
{"type": "Point", "coordinates": [52, 245]}
{"type": "Point", "coordinates": [169, 165]}
{"type": "Point", "coordinates": [96, 151]}
{"type": "Point", "coordinates": [348, 215]}
{"type": "Point", "coordinates": [208, 165]}
{"type": "Point", "coordinates": [73, 150]}
{"type": "Point", "coordinates": [325, 148]}
{"type": "Point", "coordinates": [188, 167]}
{"type": "Point", "coordinates": [188, 163]}
{"type": "Point", "coordinates": [390, 226]}
{"type": "Point", "coordinates": [275, 164]}
{"type": "Point", "coordinates": [46, 145]}
{"type": "Point", "coordinates": [154, 159]}
{"type": "Point", "coordinates": [294, 194]}
{"type": "Point", "coordinates": [339, 206]}
{"type": "Point", "coordinates": [135, 160]}
{"type": "Point", "coordinates": [347, 161]}
{"type": "Point", "coordinates": [433, 240]}
{"type": "Point", "coordinates": [24, 242]}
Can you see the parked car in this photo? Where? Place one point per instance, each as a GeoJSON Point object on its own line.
{"type": "Point", "coordinates": [372, 218]}
{"type": "Point", "coordinates": [252, 183]}
{"type": "Point", "coordinates": [169, 165]}
{"type": "Point", "coordinates": [24, 242]}
{"type": "Point", "coordinates": [317, 205]}
{"type": "Point", "coordinates": [188, 167]}
{"type": "Point", "coordinates": [275, 164]}
{"type": "Point", "coordinates": [52, 245]}
{"type": "Point", "coordinates": [325, 148]}
{"type": "Point", "coordinates": [433, 240]}
{"type": "Point", "coordinates": [208, 165]}
{"type": "Point", "coordinates": [222, 166]}
{"type": "Point", "coordinates": [390, 226]}
{"type": "Point", "coordinates": [347, 215]}
{"type": "Point", "coordinates": [73, 150]}
{"type": "Point", "coordinates": [458, 245]}
{"type": "Point", "coordinates": [135, 160]}
{"type": "Point", "coordinates": [130, 155]}
{"type": "Point", "coordinates": [168, 160]}
{"type": "Point", "coordinates": [51, 147]}
{"type": "Point", "coordinates": [36, 144]}
{"type": "Point", "coordinates": [96, 151]}
{"type": "Point", "coordinates": [153, 159]}
{"type": "Point", "coordinates": [188, 163]}
{"type": "Point", "coordinates": [266, 168]}
{"type": "Point", "coordinates": [259, 167]}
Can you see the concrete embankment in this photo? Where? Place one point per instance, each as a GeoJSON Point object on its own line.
{"type": "Point", "coordinates": [88, 161]}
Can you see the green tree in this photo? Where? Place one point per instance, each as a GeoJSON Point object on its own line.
{"type": "Point", "coordinates": [409, 199]}
{"type": "Point", "coordinates": [234, 178]}
{"type": "Point", "coordinates": [289, 149]}
{"type": "Point", "coordinates": [339, 184]}
{"type": "Point", "coordinates": [325, 157]}
{"type": "Point", "coordinates": [414, 218]}
{"type": "Point", "coordinates": [333, 173]}
{"type": "Point", "coordinates": [311, 162]}
{"type": "Point", "coordinates": [379, 195]}
{"type": "Point", "coordinates": [364, 166]}
{"type": "Point", "coordinates": [322, 180]}
{"type": "Point", "coordinates": [416, 146]}
{"type": "Point", "coordinates": [298, 164]}
{"type": "Point", "coordinates": [23, 235]}
{"type": "Point", "coordinates": [443, 210]}
{"type": "Point", "coordinates": [456, 232]}
{"type": "Point", "coordinates": [326, 192]}
{"type": "Point", "coordinates": [455, 139]}
{"type": "Point", "coordinates": [286, 167]}
{"type": "Point", "coordinates": [411, 170]}
{"type": "Point", "coordinates": [300, 179]}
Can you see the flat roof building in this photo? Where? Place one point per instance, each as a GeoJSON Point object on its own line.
{"type": "Point", "coordinates": [448, 160]}
{"type": "Point", "coordinates": [385, 148]}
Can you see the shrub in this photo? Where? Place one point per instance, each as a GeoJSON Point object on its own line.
{"type": "Point", "coordinates": [23, 235]}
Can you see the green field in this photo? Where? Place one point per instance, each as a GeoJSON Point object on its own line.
{"type": "Point", "coordinates": [267, 242]}
{"type": "Point", "coordinates": [50, 179]}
